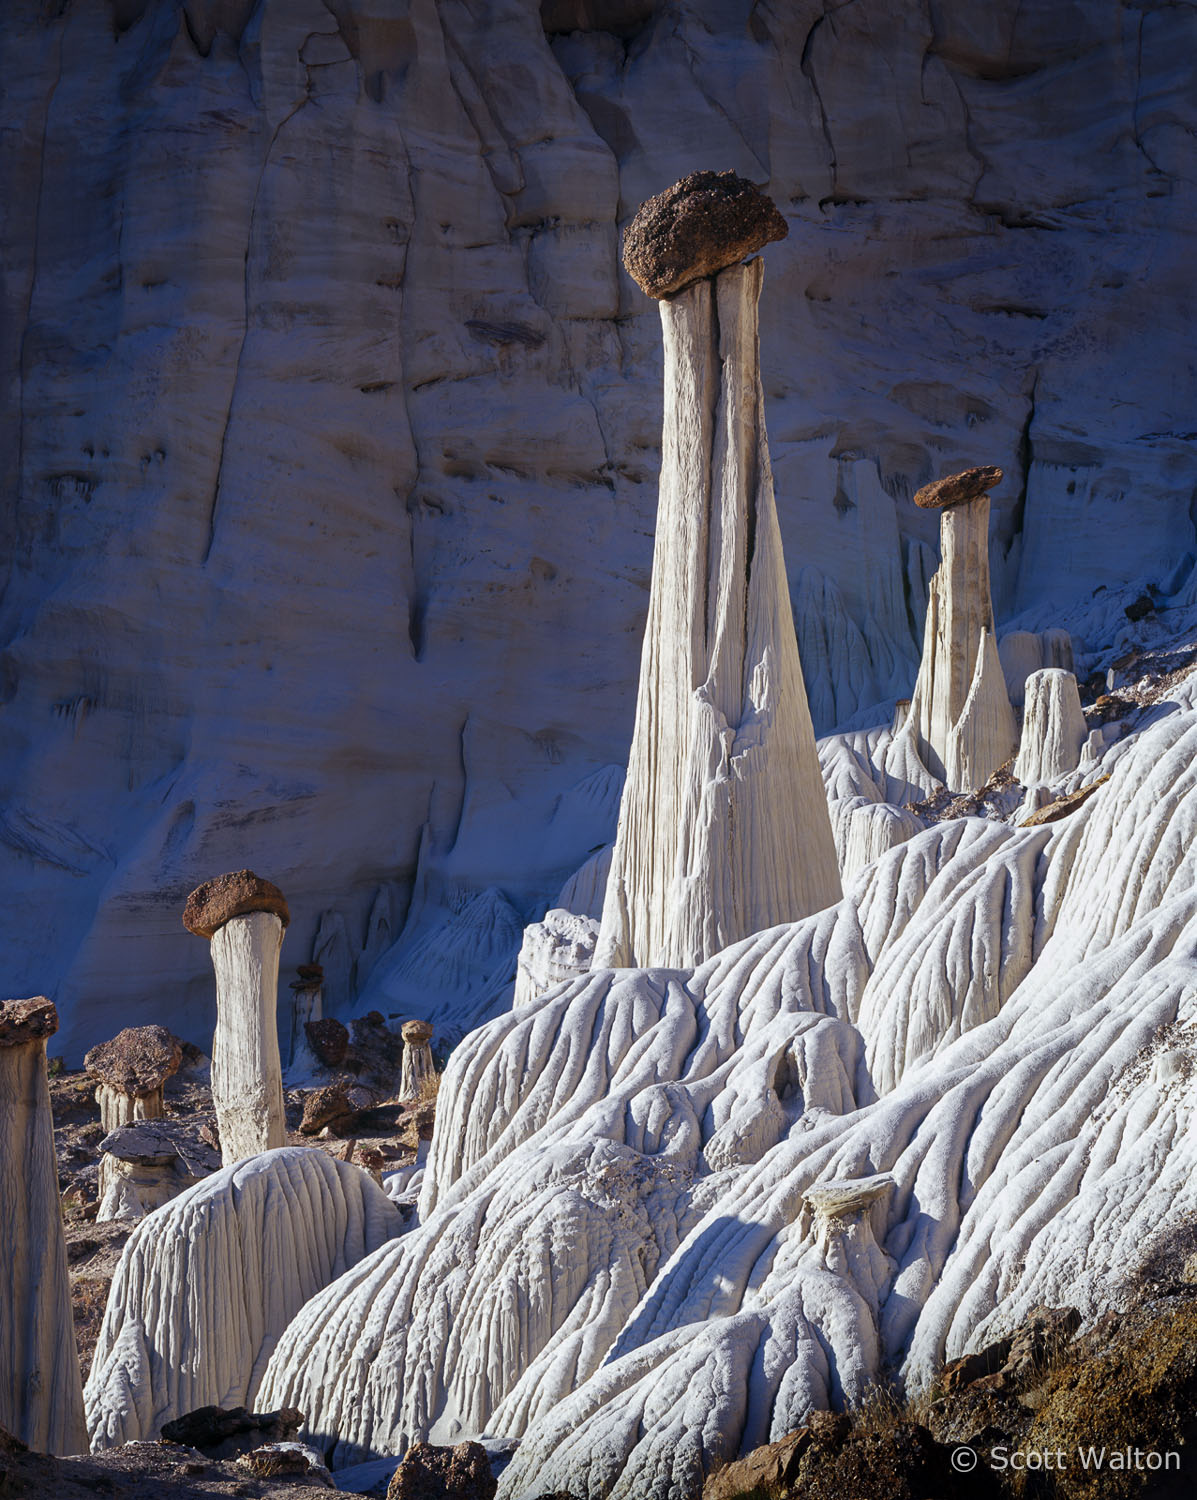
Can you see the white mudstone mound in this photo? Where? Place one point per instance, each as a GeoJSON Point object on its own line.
{"type": "Point", "coordinates": [723, 827]}
{"type": "Point", "coordinates": [1025, 651]}
{"type": "Point", "coordinates": [1054, 731]}
{"type": "Point", "coordinates": [206, 1284]}
{"type": "Point", "coordinates": [653, 1232]}
{"type": "Point", "coordinates": [555, 949]}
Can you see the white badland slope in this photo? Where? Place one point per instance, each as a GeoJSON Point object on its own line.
{"type": "Point", "coordinates": [330, 426]}
{"type": "Point", "coordinates": [668, 1212]}
{"type": "Point", "coordinates": [206, 1284]}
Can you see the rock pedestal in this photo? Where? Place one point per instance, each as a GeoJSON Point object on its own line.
{"type": "Point", "coordinates": [723, 828]}
{"type": "Point", "coordinates": [41, 1391]}
{"type": "Point", "coordinates": [1053, 728]}
{"type": "Point", "coordinates": [131, 1072]}
{"type": "Point", "coordinates": [244, 917]}
{"type": "Point", "coordinates": [417, 1065]}
{"type": "Point", "coordinates": [960, 712]}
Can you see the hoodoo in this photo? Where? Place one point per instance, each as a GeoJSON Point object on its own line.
{"type": "Point", "coordinates": [418, 1065]}
{"type": "Point", "coordinates": [41, 1392]}
{"type": "Point", "coordinates": [130, 1072]}
{"type": "Point", "coordinates": [723, 827]}
{"type": "Point", "coordinates": [960, 713]}
{"type": "Point", "coordinates": [1053, 728]}
{"type": "Point", "coordinates": [244, 917]}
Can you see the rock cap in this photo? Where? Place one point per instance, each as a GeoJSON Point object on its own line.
{"type": "Point", "coordinates": [958, 489]}
{"type": "Point", "coordinates": [137, 1061]}
{"type": "Point", "coordinates": [236, 894]}
{"type": "Point", "coordinates": [846, 1196]}
{"type": "Point", "coordinates": [698, 227]}
{"type": "Point", "coordinates": [24, 1021]}
{"type": "Point", "coordinates": [416, 1033]}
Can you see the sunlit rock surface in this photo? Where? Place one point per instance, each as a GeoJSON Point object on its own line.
{"type": "Point", "coordinates": [668, 1213]}
{"type": "Point", "coordinates": [330, 425]}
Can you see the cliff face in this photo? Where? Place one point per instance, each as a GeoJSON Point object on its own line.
{"type": "Point", "coordinates": [331, 427]}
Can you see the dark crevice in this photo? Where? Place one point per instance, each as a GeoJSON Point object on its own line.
{"type": "Point", "coordinates": [214, 508]}
{"type": "Point", "coordinates": [1026, 457]}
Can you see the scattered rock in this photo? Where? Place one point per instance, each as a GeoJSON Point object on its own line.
{"type": "Point", "coordinates": [705, 222]}
{"type": "Point", "coordinates": [1062, 806]}
{"type": "Point", "coordinates": [220, 1432]}
{"type": "Point", "coordinates": [287, 1461]}
{"type": "Point", "coordinates": [236, 894]}
{"type": "Point", "coordinates": [431, 1473]}
{"type": "Point", "coordinates": [338, 1106]}
{"type": "Point", "coordinates": [375, 1050]}
{"type": "Point", "coordinates": [328, 1039]}
{"type": "Point", "coordinates": [1140, 608]}
{"type": "Point", "coordinates": [958, 489]}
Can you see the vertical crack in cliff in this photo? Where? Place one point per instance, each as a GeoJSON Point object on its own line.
{"type": "Point", "coordinates": [1137, 102]}
{"type": "Point", "coordinates": [808, 70]}
{"type": "Point", "coordinates": [1026, 457]}
{"type": "Point", "coordinates": [22, 359]}
{"type": "Point", "coordinates": [214, 507]}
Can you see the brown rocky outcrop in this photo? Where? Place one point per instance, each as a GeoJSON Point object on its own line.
{"type": "Point", "coordinates": [236, 894]}
{"type": "Point", "coordinates": [337, 1107]}
{"type": "Point", "coordinates": [432, 1473]}
{"type": "Point", "coordinates": [225, 1432]}
{"type": "Point", "coordinates": [696, 228]}
{"type": "Point", "coordinates": [24, 1021]}
{"type": "Point", "coordinates": [958, 489]}
{"type": "Point", "coordinates": [328, 1039]}
{"type": "Point", "coordinates": [137, 1061]}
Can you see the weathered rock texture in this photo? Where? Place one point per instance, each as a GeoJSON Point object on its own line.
{"type": "Point", "coordinates": [723, 827]}
{"type": "Point", "coordinates": [417, 1066]}
{"type": "Point", "coordinates": [1053, 728]}
{"type": "Point", "coordinates": [960, 1094]}
{"type": "Point", "coordinates": [696, 228]}
{"type": "Point", "coordinates": [206, 1285]}
{"type": "Point", "coordinates": [331, 253]}
{"type": "Point", "coordinates": [131, 1072]}
{"type": "Point", "coordinates": [41, 1397]}
{"type": "Point", "coordinates": [247, 1078]}
{"type": "Point", "coordinates": [146, 1164]}
{"type": "Point", "coordinates": [960, 715]}
{"type": "Point", "coordinates": [236, 894]}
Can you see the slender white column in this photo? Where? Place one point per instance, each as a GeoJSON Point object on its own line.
{"type": "Point", "coordinates": [41, 1390]}
{"type": "Point", "coordinates": [724, 828]}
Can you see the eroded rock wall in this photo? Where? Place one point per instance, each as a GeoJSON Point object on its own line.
{"type": "Point", "coordinates": [331, 427]}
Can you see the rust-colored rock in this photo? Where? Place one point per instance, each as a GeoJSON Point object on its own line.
{"type": "Point", "coordinates": [339, 1106]}
{"type": "Point", "coordinates": [696, 228]}
{"type": "Point", "coordinates": [431, 1473]}
{"type": "Point", "coordinates": [328, 1039]}
{"type": "Point", "coordinates": [416, 1033]}
{"type": "Point", "coordinates": [958, 489]}
{"type": "Point", "coordinates": [1062, 806]}
{"type": "Point", "coordinates": [236, 894]}
{"type": "Point", "coordinates": [137, 1061]}
{"type": "Point", "coordinates": [24, 1021]}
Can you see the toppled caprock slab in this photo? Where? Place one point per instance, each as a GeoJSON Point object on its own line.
{"type": "Point", "coordinates": [698, 227]}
